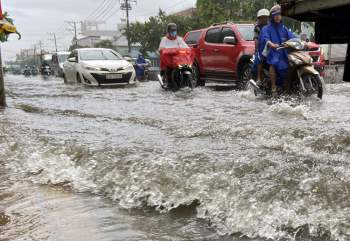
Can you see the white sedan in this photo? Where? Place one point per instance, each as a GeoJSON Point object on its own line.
{"type": "Point", "coordinates": [98, 67]}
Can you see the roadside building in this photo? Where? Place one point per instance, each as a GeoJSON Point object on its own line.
{"type": "Point", "coordinates": [91, 35]}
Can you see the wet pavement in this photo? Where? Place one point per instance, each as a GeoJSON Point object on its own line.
{"type": "Point", "coordinates": [139, 163]}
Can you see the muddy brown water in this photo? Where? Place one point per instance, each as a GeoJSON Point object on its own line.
{"type": "Point", "coordinates": [138, 163]}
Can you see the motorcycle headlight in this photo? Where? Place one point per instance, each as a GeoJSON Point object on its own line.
{"type": "Point", "coordinates": [296, 60]}
{"type": "Point", "coordinates": [310, 60]}
{"type": "Point", "coordinates": [91, 68]}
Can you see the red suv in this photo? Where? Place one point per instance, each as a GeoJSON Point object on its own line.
{"type": "Point", "coordinates": [223, 53]}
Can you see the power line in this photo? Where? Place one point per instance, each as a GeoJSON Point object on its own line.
{"type": "Point", "coordinates": [96, 10]}
{"type": "Point", "coordinates": [106, 11]}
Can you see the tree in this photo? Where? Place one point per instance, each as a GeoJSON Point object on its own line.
{"type": "Point", "coordinates": [74, 46]}
{"type": "Point", "coordinates": [106, 44]}
{"type": "Point", "coordinates": [149, 33]}
{"type": "Point", "coordinates": [216, 11]}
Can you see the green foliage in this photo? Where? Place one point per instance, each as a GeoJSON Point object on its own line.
{"type": "Point", "coordinates": [216, 11]}
{"type": "Point", "coordinates": [149, 34]}
{"type": "Point", "coordinates": [72, 47]}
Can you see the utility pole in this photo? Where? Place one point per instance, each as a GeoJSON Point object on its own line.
{"type": "Point", "coordinates": [35, 62]}
{"type": "Point", "coordinates": [2, 84]}
{"type": "Point", "coordinates": [41, 52]}
{"type": "Point", "coordinates": [55, 40]}
{"type": "Point", "coordinates": [126, 6]}
{"type": "Point", "coordinates": [74, 25]}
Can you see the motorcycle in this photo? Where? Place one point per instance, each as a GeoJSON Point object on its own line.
{"type": "Point", "coordinates": [46, 71]}
{"type": "Point", "coordinates": [34, 71]}
{"type": "Point", "coordinates": [27, 72]}
{"type": "Point", "coordinates": [179, 73]}
{"type": "Point", "coordinates": [303, 79]}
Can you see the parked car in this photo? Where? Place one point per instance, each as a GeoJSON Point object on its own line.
{"type": "Point", "coordinates": [223, 53]}
{"type": "Point", "coordinates": [98, 67]}
{"type": "Point", "coordinates": [58, 60]}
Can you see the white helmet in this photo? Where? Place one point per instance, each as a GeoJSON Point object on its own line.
{"type": "Point", "coordinates": [263, 13]}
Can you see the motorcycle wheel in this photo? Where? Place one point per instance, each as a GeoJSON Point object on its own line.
{"type": "Point", "coordinates": [189, 80]}
{"type": "Point", "coordinates": [174, 81]}
{"type": "Point", "coordinates": [317, 85]}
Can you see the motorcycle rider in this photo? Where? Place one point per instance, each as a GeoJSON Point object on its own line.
{"type": "Point", "coordinates": [262, 21]}
{"type": "Point", "coordinates": [140, 65]}
{"type": "Point", "coordinates": [171, 40]}
{"type": "Point", "coordinates": [271, 38]}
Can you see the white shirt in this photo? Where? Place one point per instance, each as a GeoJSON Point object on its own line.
{"type": "Point", "coordinates": [176, 43]}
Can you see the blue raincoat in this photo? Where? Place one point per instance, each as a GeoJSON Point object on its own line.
{"type": "Point", "coordinates": [277, 33]}
{"type": "Point", "coordinates": [140, 70]}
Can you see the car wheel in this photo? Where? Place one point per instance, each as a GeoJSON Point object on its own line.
{"type": "Point", "coordinates": [197, 81]}
{"type": "Point", "coordinates": [245, 76]}
{"type": "Point", "coordinates": [78, 78]}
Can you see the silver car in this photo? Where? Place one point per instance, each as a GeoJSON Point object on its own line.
{"type": "Point", "coordinates": [98, 67]}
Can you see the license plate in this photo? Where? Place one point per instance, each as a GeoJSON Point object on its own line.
{"type": "Point", "coordinates": [114, 76]}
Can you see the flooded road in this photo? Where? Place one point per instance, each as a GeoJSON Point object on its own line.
{"type": "Point", "coordinates": [138, 163]}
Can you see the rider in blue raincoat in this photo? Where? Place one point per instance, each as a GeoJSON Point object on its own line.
{"type": "Point", "coordinates": [140, 66]}
{"type": "Point", "coordinates": [271, 38]}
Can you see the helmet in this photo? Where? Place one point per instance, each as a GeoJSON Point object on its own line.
{"type": "Point", "coordinates": [275, 10]}
{"type": "Point", "coordinates": [263, 13]}
{"type": "Point", "coordinates": [171, 27]}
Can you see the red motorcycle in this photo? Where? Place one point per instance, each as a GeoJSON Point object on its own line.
{"type": "Point", "coordinates": [177, 66]}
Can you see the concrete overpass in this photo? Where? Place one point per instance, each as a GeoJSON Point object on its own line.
{"type": "Point", "coordinates": [332, 20]}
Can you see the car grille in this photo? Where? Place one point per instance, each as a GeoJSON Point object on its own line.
{"type": "Point", "coordinates": [101, 79]}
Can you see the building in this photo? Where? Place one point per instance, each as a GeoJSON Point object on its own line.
{"type": "Point", "coordinates": [91, 35]}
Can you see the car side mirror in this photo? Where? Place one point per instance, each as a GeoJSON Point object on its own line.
{"type": "Point", "coordinates": [72, 60]}
{"type": "Point", "coordinates": [230, 40]}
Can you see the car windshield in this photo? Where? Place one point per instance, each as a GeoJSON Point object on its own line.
{"type": "Point", "coordinates": [246, 31]}
{"type": "Point", "coordinates": [99, 54]}
{"type": "Point", "coordinates": [62, 58]}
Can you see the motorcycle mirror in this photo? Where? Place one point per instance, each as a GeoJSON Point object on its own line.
{"type": "Point", "coordinates": [73, 59]}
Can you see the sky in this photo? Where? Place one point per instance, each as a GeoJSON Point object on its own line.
{"type": "Point", "coordinates": [35, 19]}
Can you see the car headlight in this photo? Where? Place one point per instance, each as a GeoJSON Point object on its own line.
{"type": "Point", "coordinates": [91, 68]}
{"type": "Point", "coordinates": [128, 68]}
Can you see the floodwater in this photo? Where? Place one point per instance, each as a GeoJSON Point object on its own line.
{"type": "Point", "coordinates": [139, 163]}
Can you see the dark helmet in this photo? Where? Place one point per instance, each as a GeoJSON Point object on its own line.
{"type": "Point", "coordinates": [171, 27]}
